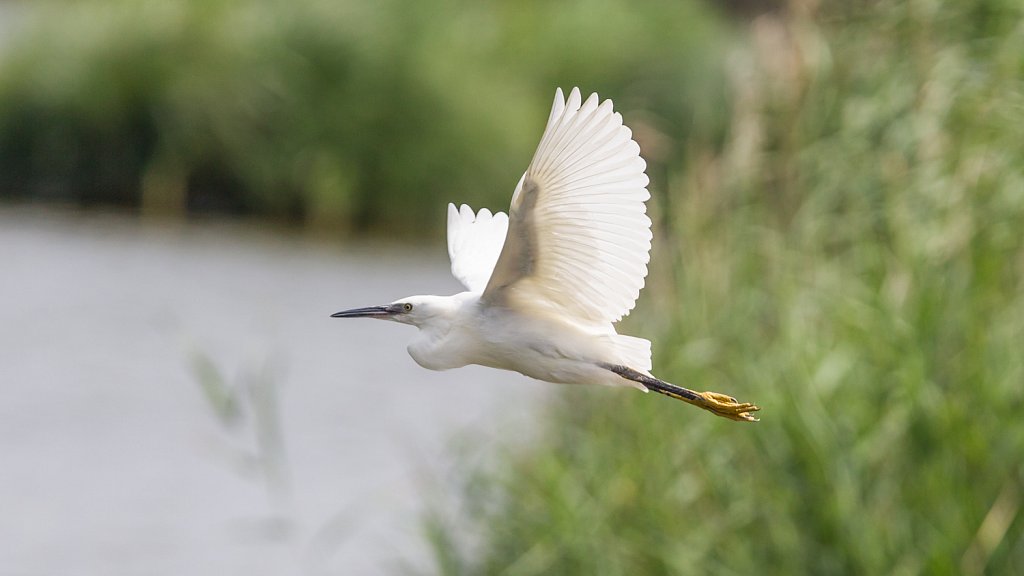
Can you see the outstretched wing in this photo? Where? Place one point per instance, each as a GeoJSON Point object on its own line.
{"type": "Point", "coordinates": [579, 237]}
{"type": "Point", "coordinates": [474, 242]}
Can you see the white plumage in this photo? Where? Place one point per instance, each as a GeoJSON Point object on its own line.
{"type": "Point", "coordinates": [546, 283]}
{"type": "Point", "coordinates": [579, 235]}
{"type": "Point", "coordinates": [474, 242]}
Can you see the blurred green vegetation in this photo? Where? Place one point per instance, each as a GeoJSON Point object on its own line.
{"type": "Point", "coordinates": [344, 116]}
{"type": "Point", "coordinates": [851, 258]}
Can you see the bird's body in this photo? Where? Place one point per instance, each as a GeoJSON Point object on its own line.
{"type": "Point", "coordinates": [547, 282]}
{"type": "Point", "coordinates": [464, 330]}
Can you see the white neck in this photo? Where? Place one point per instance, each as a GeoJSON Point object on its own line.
{"type": "Point", "coordinates": [443, 321]}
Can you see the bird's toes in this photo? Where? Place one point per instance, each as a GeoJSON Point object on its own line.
{"type": "Point", "coordinates": [719, 398]}
{"type": "Point", "coordinates": [727, 407]}
{"type": "Point", "coordinates": [742, 412]}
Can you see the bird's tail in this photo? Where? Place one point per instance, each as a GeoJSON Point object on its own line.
{"type": "Point", "coordinates": [633, 351]}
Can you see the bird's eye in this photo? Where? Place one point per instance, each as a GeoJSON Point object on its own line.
{"type": "Point", "coordinates": [407, 307]}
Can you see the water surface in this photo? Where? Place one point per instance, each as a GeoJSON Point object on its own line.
{"type": "Point", "coordinates": [115, 462]}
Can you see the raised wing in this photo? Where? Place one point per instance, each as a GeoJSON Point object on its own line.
{"type": "Point", "coordinates": [474, 242]}
{"type": "Point", "coordinates": [579, 238]}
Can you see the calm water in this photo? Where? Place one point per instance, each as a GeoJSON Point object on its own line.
{"type": "Point", "coordinates": [115, 462]}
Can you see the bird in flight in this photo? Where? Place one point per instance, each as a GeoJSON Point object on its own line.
{"type": "Point", "coordinates": [546, 283]}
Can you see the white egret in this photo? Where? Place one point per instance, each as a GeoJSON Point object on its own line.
{"type": "Point", "coordinates": [547, 282]}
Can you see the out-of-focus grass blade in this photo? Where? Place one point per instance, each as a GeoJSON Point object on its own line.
{"type": "Point", "coordinates": [220, 396]}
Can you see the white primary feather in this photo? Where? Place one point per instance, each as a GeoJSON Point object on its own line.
{"type": "Point", "coordinates": [578, 237]}
{"type": "Point", "coordinates": [474, 242]}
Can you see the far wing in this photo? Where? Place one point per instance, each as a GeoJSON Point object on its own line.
{"type": "Point", "coordinates": [579, 237]}
{"type": "Point", "coordinates": [474, 242]}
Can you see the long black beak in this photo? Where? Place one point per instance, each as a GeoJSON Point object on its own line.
{"type": "Point", "coordinates": [369, 312]}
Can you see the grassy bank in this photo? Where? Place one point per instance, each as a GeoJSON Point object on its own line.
{"type": "Point", "coordinates": [851, 258]}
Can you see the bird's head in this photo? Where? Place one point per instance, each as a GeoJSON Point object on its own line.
{"type": "Point", "coordinates": [416, 310]}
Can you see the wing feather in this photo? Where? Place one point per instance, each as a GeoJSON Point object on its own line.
{"type": "Point", "coordinates": [474, 243]}
{"type": "Point", "coordinates": [578, 236]}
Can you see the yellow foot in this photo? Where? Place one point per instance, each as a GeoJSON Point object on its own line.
{"type": "Point", "coordinates": [726, 406]}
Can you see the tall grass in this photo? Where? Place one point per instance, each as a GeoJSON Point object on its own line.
{"type": "Point", "coordinates": [352, 115]}
{"type": "Point", "coordinates": [851, 258]}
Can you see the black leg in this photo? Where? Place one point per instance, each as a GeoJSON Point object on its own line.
{"type": "Point", "coordinates": [652, 383]}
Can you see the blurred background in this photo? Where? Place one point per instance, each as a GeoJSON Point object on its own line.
{"type": "Point", "coordinates": [189, 189]}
